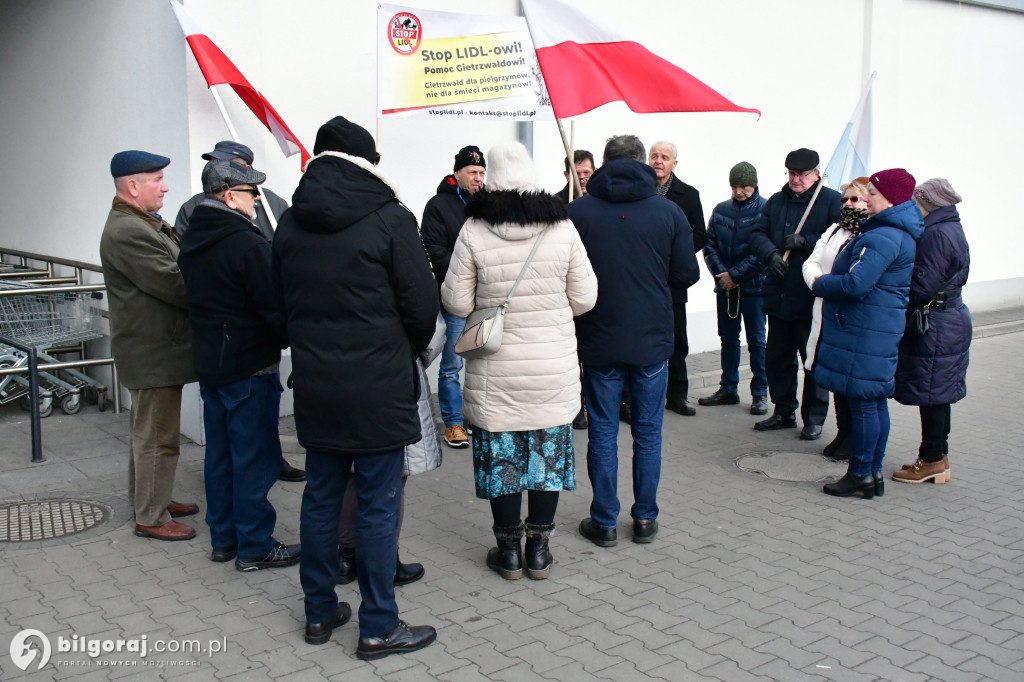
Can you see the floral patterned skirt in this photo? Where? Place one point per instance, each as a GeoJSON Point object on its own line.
{"type": "Point", "coordinates": [507, 462]}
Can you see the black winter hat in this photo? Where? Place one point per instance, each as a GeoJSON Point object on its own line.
{"type": "Point", "coordinates": [469, 156]}
{"type": "Point", "coordinates": [341, 135]}
{"type": "Point", "coordinates": [802, 159]}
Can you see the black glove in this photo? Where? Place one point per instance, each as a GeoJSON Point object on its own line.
{"type": "Point", "coordinates": [776, 266]}
{"type": "Point", "coordinates": [796, 242]}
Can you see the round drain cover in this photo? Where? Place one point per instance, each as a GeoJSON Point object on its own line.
{"type": "Point", "coordinates": [792, 466]}
{"type": "Point", "coordinates": [33, 520]}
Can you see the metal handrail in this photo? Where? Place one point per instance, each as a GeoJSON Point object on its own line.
{"type": "Point", "coordinates": [78, 265]}
{"type": "Point", "coordinates": [53, 290]}
{"type": "Point", "coordinates": [33, 392]}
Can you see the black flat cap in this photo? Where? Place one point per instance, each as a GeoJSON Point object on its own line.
{"type": "Point", "coordinates": [133, 161]}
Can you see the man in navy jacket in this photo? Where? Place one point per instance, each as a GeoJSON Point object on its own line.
{"type": "Point", "coordinates": [787, 300]}
{"type": "Point", "coordinates": [640, 245]}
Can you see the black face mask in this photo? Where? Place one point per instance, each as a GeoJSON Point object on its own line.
{"type": "Point", "coordinates": [850, 217]}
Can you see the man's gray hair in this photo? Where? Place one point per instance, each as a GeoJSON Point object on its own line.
{"type": "Point", "coordinates": [666, 143]}
{"type": "Point", "coordinates": [624, 147]}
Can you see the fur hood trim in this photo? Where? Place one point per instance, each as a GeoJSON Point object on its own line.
{"type": "Point", "coordinates": [362, 163]}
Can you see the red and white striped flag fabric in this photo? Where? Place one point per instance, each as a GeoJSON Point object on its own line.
{"type": "Point", "coordinates": [587, 64]}
{"type": "Point", "coordinates": [219, 70]}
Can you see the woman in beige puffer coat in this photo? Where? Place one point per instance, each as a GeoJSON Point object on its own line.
{"type": "Point", "coordinates": [522, 399]}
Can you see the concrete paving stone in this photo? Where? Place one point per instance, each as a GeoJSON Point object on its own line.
{"type": "Point", "coordinates": [337, 658]}
{"type": "Point", "coordinates": [948, 653]}
{"type": "Point", "coordinates": [280, 661]}
{"type": "Point", "coordinates": [438, 660]}
{"type": "Point", "coordinates": [729, 670]}
{"type": "Point", "coordinates": [470, 620]}
{"type": "Point", "coordinates": [559, 615]}
{"type": "Point", "coordinates": [505, 639]}
{"type": "Point", "coordinates": [622, 672]}
{"type": "Point", "coordinates": [894, 654]}
{"type": "Point", "coordinates": [598, 634]}
{"type": "Point", "coordinates": [782, 648]}
{"type": "Point", "coordinates": [684, 652]}
{"type": "Point", "coordinates": [1004, 654]}
{"type": "Point", "coordinates": [795, 597]}
{"type": "Point", "coordinates": [751, 618]}
{"type": "Point", "coordinates": [164, 605]}
{"type": "Point", "coordinates": [258, 607]}
{"type": "Point", "coordinates": [989, 669]}
{"type": "Point", "coordinates": [70, 606]}
{"type": "Point", "coordinates": [542, 658]}
{"type": "Point", "coordinates": [605, 615]}
{"type": "Point", "coordinates": [230, 624]}
{"type": "Point", "coordinates": [572, 671]}
{"type": "Point", "coordinates": [468, 673]}
{"type": "Point", "coordinates": [489, 660]}
{"type": "Point", "coordinates": [656, 616]}
{"type": "Point", "coordinates": [741, 652]}
{"type": "Point", "coordinates": [414, 673]}
{"type": "Point", "coordinates": [738, 630]}
{"type": "Point", "coordinates": [699, 613]}
{"type": "Point", "coordinates": [628, 585]}
{"type": "Point", "coordinates": [642, 654]}
{"type": "Point", "coordinates": [555, 637]}
{"type": "Point", "coordinates": [937, 670]}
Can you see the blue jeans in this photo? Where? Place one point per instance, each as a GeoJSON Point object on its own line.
{"type": "Point", "coordinates": [378, 488]}
{"type": "Point", "coordinates": [869, 429]}
{"type": "Point", "coordinates": [449, 392]}
{"type": "Point", "coordinates": [603, 389]}
{"type": "Point", "coordinates": [733, 309]}
{"type": "Point", "coordinates": [243, 459]}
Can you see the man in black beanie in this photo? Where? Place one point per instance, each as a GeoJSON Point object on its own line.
{"type": "Point", "coordinates": [360, 304]}
{"type": "Point", "coordinates": [787, 300]}
{"type": "Point", "coordinates": [442, 221]}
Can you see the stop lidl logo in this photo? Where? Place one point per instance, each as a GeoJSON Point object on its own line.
{"type": "Point", "coordinates": [404, 33]}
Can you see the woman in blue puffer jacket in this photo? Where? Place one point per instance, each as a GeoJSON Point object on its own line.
{"type": "Point", "coordinates": [863, 318]}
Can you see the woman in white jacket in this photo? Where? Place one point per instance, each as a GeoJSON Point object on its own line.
{"type": "Point", "coordinates": [522, 399]}
{"type": "Point", "coordinates": [854, 210]}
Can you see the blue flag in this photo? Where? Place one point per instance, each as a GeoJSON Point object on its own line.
{"type": "Point", "coordinates": [852, 157]}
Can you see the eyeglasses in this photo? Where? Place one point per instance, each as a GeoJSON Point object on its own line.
{"type": "Point", "coordinates": [248, 190]}
{"type": "Point", "coordinates": [801, 174]}
{"type": "Point", "coordinates": [851, 199]}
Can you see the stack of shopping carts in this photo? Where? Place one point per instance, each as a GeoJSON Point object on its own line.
{"type": "Point", "coordinates": [47, 321]}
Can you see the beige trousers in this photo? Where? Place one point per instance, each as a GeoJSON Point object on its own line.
{"type": "Point", "coordinates": [155, 428]}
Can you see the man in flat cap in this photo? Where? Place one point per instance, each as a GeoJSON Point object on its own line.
{"type": "Point", "coordinates": [361, 304]}
{"type": "Point", "coordinates": [443, 217]}
{"type": "Point", "coordinates": [269, 210]}
{"type": "Point", "coordinates": [787, 300]}
{"type": "Point", "coordinates": [150, 337]}
{"type": "Point", "coordinates": [238, 332]}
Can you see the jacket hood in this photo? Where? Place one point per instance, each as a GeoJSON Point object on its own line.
{"type": "Point", "coordinates": [622, 181]}
{"type": "Point", "coordinates": [905, 216]}
{"type": "Point", "coordinates": [449, 185]}
{"type": "Point", "coordinates": [337, 191]}
{"type": "Point", "coordinates": [212, 223]}
{"type": "Point", "coordinates": [943, 214]}
{"type": "Point", "coordinates": [503, 210]}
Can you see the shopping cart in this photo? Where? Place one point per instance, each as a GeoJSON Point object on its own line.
{"type": "Point", "coordinates": [44, 321]}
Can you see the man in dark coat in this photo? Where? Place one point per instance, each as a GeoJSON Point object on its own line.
{"type": "Point", "coordinates": [640, 245]}
{"type": "Point", "coordinates": [739, 277]}
{"type": "Point", "coordinates": [787, 300]}
{"type": "Point", "coordinates": [269, 210]}
{"type": "Point", "coordinates": [584, 162]}
{"type": "Point", "coordinates": [361, 304]}
{"type": "Point", "coordinates": [237, 335]}
{"type": "Point", "coordinates": [443, 217]}
{"type": "Point", "coordinates": [663, 160]}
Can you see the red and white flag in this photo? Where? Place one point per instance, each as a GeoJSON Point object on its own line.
{"type": "Point", "coordinates": [587, 64]}
{"type": "Point", "coordinates": [219, 70]}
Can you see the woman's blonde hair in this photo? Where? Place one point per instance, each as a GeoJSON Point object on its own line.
{"type": "Point", "coordinates": [860, 184]}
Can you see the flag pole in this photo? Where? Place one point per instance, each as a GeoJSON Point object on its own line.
{"type": "Point", "coordinates": [572, 157]}
{"type": "Point", "coordinates": [224, 114]}
{"type": "Point", "coordinates": [568, 155]}
{"type": "Point", "coordinates": [807, 212]}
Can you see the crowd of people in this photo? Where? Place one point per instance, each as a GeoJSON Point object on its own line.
{"type": "Point", "coordinates": [857, 290]}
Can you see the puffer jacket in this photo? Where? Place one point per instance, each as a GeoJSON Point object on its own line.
{"type": "Point", "coordinates": [728, 244]}
{"type": "Point", "coordinates": [360, 303]}
{"type": "Point", "coordinates": [817, 264]}
{"type": "Point", "coordinates": [865, 301]}
{"type": "Point", "coordinates": [932, 369]}
{"type": "Point", "coordinates": [533, 381]}
{"type": "Point", "coordinates": [789, 298]}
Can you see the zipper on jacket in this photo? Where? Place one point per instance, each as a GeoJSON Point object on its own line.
{"type": "Point", "coordinates": [223, 345]}
{"type": "Point", "coordinates": [857, 258]}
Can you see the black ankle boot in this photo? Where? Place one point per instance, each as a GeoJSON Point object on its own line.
{"type": "Point", "coordinates": [879, 483]}
{"type": "Point", "coordinates": [507, 557]}
{"type": "Point", "coordinates": [347, 565]}
{"type": "Point", "coordinates": [850, 485]}
{"type": "Point", "coordinates": [840, 447]}
{"type": "Point", "coordinates": [536, 556]}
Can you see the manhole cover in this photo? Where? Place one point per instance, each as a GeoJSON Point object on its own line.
{"type": "Point", "coordinates": [792, 466]}
{"type": "Point", "coordinates": [34, 520]}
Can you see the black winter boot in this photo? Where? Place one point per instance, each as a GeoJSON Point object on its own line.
{"type": "Point", "coordinates": [507, 557]}
{"type": "Point", "coordinates": [536, 557]}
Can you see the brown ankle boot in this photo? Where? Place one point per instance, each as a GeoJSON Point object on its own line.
{"type": "Point", "coordinates": [921, 472]}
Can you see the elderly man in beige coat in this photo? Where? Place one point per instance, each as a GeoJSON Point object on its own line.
{"type": "Point", "coordinates": [150, 337]}
{"type": "Point", "coordinates": [523, 398]}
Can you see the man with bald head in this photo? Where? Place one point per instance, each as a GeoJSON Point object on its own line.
{"type": "Point", "coordinates": [150, 337]}
{"type": "Point", "coordinates": [663, 160]}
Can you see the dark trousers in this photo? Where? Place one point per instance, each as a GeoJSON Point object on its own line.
{"type": "Point", "coordinates": [842, 413]}
{"type": "Point", "coordinates": [786, 340]}
{"type": "Point", "coordinates": [378, 488]}
{"type": "Point", "coordinates": [678, 382]}
{"type": "Point", "coordinates": [935, 424]}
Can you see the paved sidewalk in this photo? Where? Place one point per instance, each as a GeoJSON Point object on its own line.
{"type": "Point", "coordinates": [750, 578]}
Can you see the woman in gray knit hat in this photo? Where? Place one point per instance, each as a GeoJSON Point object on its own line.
{"type": "Point", "coordinates": [932, 368]}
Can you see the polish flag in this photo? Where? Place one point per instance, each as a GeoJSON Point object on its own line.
{"type": "Point", "coordinates": [587, 64]}
{"type": "Point", "coordinates": [219, 70]}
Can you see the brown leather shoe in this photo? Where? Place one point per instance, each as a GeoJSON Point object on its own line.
{"type": "Point", "coordinates": [922, 472]}
{"type": "Point", "coordinates": [176, 509]}
{"type": "Point", "coordinates": [172, 530]}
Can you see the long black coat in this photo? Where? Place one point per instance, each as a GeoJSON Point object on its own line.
{"type": "Point", "coordinates": [360, 302]}
{"type": "Point", "coordinates": [687, 198]}
{"type": "Point", "coordinates": [932, 369]}
{"type": "Point", "coordinates": [789, 298]}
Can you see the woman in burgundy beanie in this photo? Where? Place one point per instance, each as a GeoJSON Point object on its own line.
{"type": "Point", "coordinates": [863, 317]}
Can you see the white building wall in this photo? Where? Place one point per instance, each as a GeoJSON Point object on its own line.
{"type": "Point", "coordinates": [82, 80]}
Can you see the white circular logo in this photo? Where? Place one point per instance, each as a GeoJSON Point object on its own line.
{"type": "Point", "coordinates": [23, 652]}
